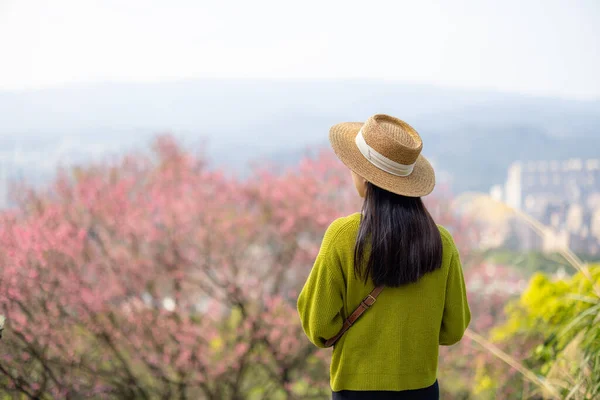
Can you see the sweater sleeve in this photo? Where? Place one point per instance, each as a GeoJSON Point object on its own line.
{"type": "Point", "coordinates": [456, 315]}
{"type": "Point", "coordinates": [321, 300]}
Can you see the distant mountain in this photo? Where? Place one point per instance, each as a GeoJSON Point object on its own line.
{"type": "Point", "coordinates": [473, 135]}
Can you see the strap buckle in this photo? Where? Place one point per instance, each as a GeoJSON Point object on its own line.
{"type": "Point", "coordinates": [369, 300]}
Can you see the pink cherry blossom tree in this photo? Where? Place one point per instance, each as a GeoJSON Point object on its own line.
{"type": "Point", "coordinates": [157, 276]}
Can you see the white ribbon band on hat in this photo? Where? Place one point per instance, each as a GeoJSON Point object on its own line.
{"type": "Point", "coordinates": [381, 161]}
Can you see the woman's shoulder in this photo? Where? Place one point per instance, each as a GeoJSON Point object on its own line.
{"type": "Point", "coordinates": [448, 245]}
{"type": "Point", "coordinates": [345, 222]}
{"type": "Point", "coordinates": [447, 239]}
{"type": "Point", "coordinates": [343, 226]}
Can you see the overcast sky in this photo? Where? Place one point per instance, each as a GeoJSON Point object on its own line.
{"type": "Point", "coordinates": [534, 47]}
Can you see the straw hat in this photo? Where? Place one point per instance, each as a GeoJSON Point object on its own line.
{"type": "Point", "coordinates": [385, 151]}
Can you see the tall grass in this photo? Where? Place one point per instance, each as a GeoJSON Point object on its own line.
{"type": "Point", "coordinates": [562, 381]}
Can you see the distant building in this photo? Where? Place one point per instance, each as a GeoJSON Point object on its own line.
{"type": "Point", "coordinates": [563, 195]}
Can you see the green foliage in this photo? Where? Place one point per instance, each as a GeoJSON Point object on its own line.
{"type": "Point", "coordinates": [562, 317]}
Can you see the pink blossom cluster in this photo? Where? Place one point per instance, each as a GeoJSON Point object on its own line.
{"type": "Point", "coordinates": [159, 276]}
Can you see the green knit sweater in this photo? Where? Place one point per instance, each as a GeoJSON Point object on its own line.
{"type": "Point", "coordinates": [394, 345]}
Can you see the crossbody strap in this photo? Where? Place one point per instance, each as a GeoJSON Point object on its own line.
{"type": "Point", "coordinates": [364, 305]}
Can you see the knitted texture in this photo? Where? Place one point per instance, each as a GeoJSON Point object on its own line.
{"type": "Point", "coordinates": [394, 345]}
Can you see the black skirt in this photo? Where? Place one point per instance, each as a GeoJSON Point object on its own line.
{"type": "Point", "coordinates": [429, 393]}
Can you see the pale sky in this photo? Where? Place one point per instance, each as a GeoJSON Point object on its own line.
{"type": "Point", "coordinates": [533, 47]}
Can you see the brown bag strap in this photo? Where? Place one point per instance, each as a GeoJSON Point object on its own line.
{"type": "Point", "coordinates": [364, 305]}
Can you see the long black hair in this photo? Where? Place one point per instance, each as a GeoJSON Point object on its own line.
{"type": "Point", "coordinates": [398, 241]}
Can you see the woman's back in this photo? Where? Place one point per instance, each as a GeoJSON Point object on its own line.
{"type": "Point", "coordinates": [393, 346]}
{"type": "Point", "coordinates": [395, 244]}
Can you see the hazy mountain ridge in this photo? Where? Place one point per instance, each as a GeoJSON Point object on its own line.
{"type": "Point", "coordinates": [474, 135]}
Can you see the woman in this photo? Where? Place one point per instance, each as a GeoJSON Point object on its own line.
{"type": "Point", "coordinates": [391, 351]}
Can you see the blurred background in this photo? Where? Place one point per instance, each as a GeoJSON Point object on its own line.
{"type": "Point", "coordinates": [165, 181]}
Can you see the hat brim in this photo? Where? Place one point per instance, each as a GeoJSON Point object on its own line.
{"type": "Point", "coordinates": [418, 184]}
